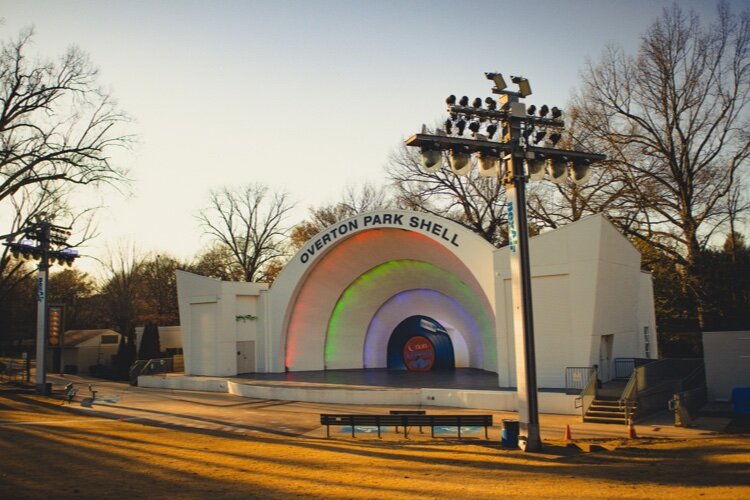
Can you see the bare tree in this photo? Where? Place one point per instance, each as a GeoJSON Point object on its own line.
{"type": "Point", "coordinates": [217, 261]}
{"type": "Point", "coordinates": [554, 205]}
{"type": "Point", "coordinates": [121, 289]}
{"type": "Point", "coordinates": [475, 202]}
{"type": "Point", "coordinates": [365, 198]}
{"type": "Point", "coordinates": [56, 124]}
{"type": "Point", "coordinates": [249, 221]}
{"type": "Point", "coordinates": [158, 284]}
{"type": "Point", "coordinates": [58, 130]}
{"type": "Point", "coordinates": [674, 119]}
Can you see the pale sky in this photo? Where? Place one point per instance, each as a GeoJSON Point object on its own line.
{"type": "Point", "coordinates": [306, 96]}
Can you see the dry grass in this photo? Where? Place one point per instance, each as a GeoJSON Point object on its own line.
{"type": "Point", "coordinates": [46, 451]}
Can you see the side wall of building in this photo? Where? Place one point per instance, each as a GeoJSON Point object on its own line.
{"type": "Point", "coordinates": [219, 325]}
{"type": "Point", "coordinates": [727, 359]}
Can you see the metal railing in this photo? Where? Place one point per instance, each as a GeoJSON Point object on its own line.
{"type": "Point", "coordinates": [653, 385]}
{"type": "Point", "coordinates": [149, 367]}
{"type": "Point", "coordinates": [13, 370]}
{"type": "Point", "coordinates": [624, 366]}
{"type": "Point", "coordinates": [577, 378]}
{"type": "Point", "coordinates": [588, 395]}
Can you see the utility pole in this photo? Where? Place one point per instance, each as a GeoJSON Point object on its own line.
{"type": "Point", "coordinates": [47, 243]}
{"type": "Point", "coordinates": [514, 159]}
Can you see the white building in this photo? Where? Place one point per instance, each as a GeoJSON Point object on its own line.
{"type": "Point", "coordinates": [84, 349]}
{"type": "Point", "coordinates": [339, 301]}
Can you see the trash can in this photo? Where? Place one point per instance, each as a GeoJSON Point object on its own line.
{"type": "Point", "coordinates": [741, 400]}
{"type": "Point", "coordinates": [509, 435]}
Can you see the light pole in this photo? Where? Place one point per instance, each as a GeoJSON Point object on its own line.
{"type": "Point", "coordinates": [45, 242]}
{"type": "Point", "coordinates": [514, 158]}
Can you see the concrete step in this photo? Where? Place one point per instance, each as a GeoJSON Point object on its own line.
{"type": "Point", "coordinates": [605, 402]}
{"type": "Point", "coordinates": [605, 420]}
{"type": "Point", "coordinates": [606, 414]}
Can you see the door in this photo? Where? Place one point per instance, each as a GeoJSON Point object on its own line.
{"type": "Point", "coordinates": [246, 357]}
{"type": "Point", "coordinates": [605, 357]}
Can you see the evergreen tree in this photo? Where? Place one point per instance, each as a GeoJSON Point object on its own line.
{"type": "Point", "coordinates": [150, 347]}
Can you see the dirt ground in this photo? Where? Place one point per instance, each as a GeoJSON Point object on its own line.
{"type": "Point", "coordinates": [53, 451]}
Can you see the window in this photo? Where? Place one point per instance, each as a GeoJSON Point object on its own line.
{"type": "Point", "coordinates": [646, 343]}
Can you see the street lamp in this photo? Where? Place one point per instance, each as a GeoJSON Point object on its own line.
{"type": "Point", "coordinates": [514, 158]}
{"type": "Point", "coordinates": [47, 243]}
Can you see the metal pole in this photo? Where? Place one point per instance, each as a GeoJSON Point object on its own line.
{"type": "Point", "coordinates": [523, 319]}
{"type": "Point", "coordinates": [41, 312]}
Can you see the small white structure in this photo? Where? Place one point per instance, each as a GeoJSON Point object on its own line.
{"type": "Point", "coordinates": [338, 301]}
{"type": "Point", "coordinates": [727, 359]}
{"type": "Point", "coordinates": [86, 348]}
{"type": "Point", "coordinates": [219, 324]}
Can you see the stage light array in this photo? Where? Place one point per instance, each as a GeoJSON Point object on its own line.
{"type": "Point", "coordinates": [535, 131]}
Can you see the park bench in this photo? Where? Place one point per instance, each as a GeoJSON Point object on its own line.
{"type": "Point", "coordinates": [408, 412]}
{"type": "Point", "coordinates": [406, 421]}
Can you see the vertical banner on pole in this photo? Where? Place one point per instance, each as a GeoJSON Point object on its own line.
{"type": "Point", "coordinates": [523, 320]}
{"type": "Point", "coordinates": [41, 330]}
{"type": "Point", "coordinates": [518, 330]}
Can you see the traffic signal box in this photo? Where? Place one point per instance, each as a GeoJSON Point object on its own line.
{"type": "Point", "coordinates": [54, 327]}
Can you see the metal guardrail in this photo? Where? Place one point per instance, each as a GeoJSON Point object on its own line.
{"type": "Point", "coordinates": [13, 370]}
{"type": "Point", "coordinates": [149, 367]}
{"type": "Point", "coordinates": [624, 367]}
{"type": "Point", "coordinates": [588, 395]}
{"type": "Point", "coordinates": [577, 378]}
{"type": "Point", "coordinates": [653, 385]}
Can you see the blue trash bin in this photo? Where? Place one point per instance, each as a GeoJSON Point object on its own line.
{"type": "Point", "coordinates": [741, 400]}
{"type": "Point", "coordinates": [509, 435]}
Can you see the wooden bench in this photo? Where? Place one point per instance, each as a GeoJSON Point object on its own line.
{"type": "Point", "coordinates": [408, 412]}
{"type": "Point", "coordinates": [406, 421]}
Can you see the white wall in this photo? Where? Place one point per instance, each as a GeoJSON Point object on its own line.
{"type": "Point", "coordinates": [586, 283]}
{"type": "Point", "coordinates": [210, 323]}
{"type": "Point", "coordinates": [727, 359]}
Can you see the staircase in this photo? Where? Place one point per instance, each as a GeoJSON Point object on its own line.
{"type": "Point", "coordinates": [605, 408]}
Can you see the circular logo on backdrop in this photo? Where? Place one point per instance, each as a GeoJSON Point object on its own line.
{"type": "Point", "coordinates": [419, 354]}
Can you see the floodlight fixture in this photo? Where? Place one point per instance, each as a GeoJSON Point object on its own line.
{"type": "Point", "coordinates": [535, 167]}
{"type": "Point", "coordinates": [531, 110]}
{"type": "Point", "coordinates": [554, 138]}
{"type": "Point", "coordinates": [557, 169]}
{"type": "Point", "coordinates": [460, 126]}
{"type": "Point", "coordinates": [432, 159]}
{"type": "Point", "coordinates": [556, 113]}
{"type": "Point", "coordinates": [448, 126]}
{"type": "Point", "coordinates": [477, 102]}
{"type": "Point", "coordinates": [474, 127]}
{"type": "Point", "coordinates": [489, 163]}
{"type": "Point", "coordinates": [450, 100]}
{"type": "Point", "coordinates": [543, 111]}
{"type": "Point", "coordinates": [498, 79]}
{"type": "Point", "coordinates": [460, 161]}
{"type": "Point", "coordinates": [524, 87]}
{"type": "Point", "coordinates": [579, 171]}
{"type": "Point", "coordinates": [491, 130]}
{"type": "Point", "coordinates": [464, 101]}
{"type": "Point", "coordinates": [491, 103]}
{"type": "Point", "coordinates": [539, 136]}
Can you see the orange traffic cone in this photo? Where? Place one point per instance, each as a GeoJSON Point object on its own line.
{"type": "Point", "coordinates": [567, 437]}
{"type": "Point", "coordinates": [631, 429]}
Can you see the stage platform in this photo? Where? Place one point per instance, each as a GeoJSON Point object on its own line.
{"type": "Point", "coordinates": [460, 388]}
{"type": "Point", "coordinates": [460, 378]}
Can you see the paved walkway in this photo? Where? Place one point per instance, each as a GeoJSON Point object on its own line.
{"type": "Point", "coordinates": [226, 412]}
